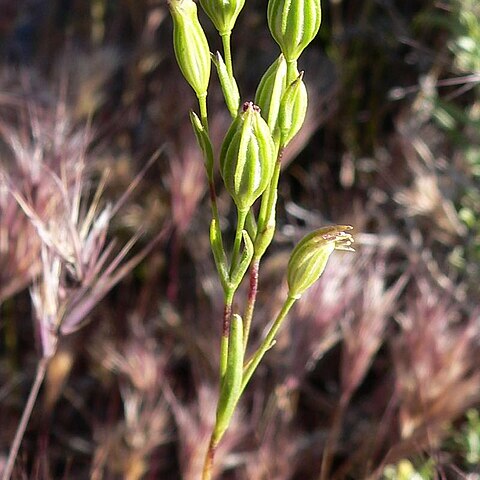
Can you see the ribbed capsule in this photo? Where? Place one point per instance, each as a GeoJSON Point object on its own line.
{"type": "Point", "coordinates": [223, 13]}
{"type": "Point", "coordinates": [292, 111]}
{"type": "Point", "coordinates": [284, 108]}
{"type": "Point", "coordinates": [190, 45]}
{"type": "Point", "coordinates": [294, 24]}
{"type": "Point", "coordinates": [270, 90]}
{"type": "Point", "coordinates": [247, 157]}
{"type": "Point", "coordinates": [309, 258]}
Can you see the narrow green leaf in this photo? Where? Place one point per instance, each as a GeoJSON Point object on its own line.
{"type": "Point", "coordinates": [204, 143]}
{"type": "Point", "coordinates": [231, 386]}
{"type": "Point", "coordinates": [228, 84]}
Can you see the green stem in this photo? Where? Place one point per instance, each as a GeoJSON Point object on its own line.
{"type": "Point", "coordinates": [227, 53]}
{"type": "Point", "coordinates": [202, 102]}
{"type": "Point", "coordinates": [267, 342]}
{"type": "Point", "coordinates": [292, 71]}
{"type": "Point", "coordinates": [241, 217]}
{"type": "Point", "coordinates": [268, 197]}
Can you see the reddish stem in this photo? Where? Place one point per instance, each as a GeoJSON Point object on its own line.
{"type": "Point", "coordinates": [209, 458]}
{"type": "Point", "coordinates": [252, 296]}
{"type": "Point", "coordinates": [227, 314]}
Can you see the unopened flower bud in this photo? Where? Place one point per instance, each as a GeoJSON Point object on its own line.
{"type": "Point", "coordinates": [294, 24]}
{"type": "Point", "coordinates": [190, 45]}
{"type": "Point", "coordinates": [293, 110]}
{"type": "Point", "coordinates": [247, 157]}
{"type": "Point", "coordinates": [223, 13]}
{"type": "Point", "coordinates": [309, 258]}
{"type": "Point", "coordinates": [270, 90]}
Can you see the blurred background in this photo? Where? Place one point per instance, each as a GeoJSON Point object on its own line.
{"type": "Point", "coordinates": [105, 260]}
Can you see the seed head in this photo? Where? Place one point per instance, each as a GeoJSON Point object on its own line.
{"type": "Point", "coordinates": [190, 45]}
{"type": "Point", "coordinates": [223, 13]}
{"type": "Point", "coordinates": [270, 90]}
{"type": "Point", "coordinates": [294, 24]}
{"type": "Point", "coordinates": [247, 157]}
{"type": "Point", "coordinates": [293, 109]}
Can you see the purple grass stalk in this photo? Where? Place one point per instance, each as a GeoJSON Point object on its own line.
{"type": "Point", "coordinates": [333, 436]}
{"type": "Point", "coordinates": [27, 412]}
{"type": "Point", "coordinates": [173, 272]}
{"type": "Point", "coordinates": [77, 268]}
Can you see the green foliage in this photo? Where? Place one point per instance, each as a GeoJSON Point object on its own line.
{"type": "Point", "coordinates": [462, 123]}
{"type": "Point", "coordinates": [463, 444]}
{"type": "Point", "coordinates": [466, 442]}
{"type": "Point", "coordinates": [405, 470]}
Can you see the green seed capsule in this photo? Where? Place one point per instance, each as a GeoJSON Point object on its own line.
{"type": "Point", "coordinates": [190, 45]}
{"type": "Point", "coordinates": [309, 258]}
{"type": "Point", "coordinates": [223, 13]}
{"type": "Point", "coordinates": [294, 24]}
{"type": "Point", "coordinates": [293, 110]}
{"type": "Point", "coordinates": [270, 90]}
{"type": "Point", "coordinates": [247, 157]}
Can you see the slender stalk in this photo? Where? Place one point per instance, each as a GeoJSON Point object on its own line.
{"type": "Point", "coordinates": [267, 342]}
{"type": "Point", "coordinates": [173, 271]}
{"type": "Point", "coordinates": [27, 412]}
{"type": "Point", "coordinates": [332, 439]}
{"type": "Point", "coordinates": [241, 217]}
{"type": "Point", "coordinates": [227, 52]}
{"type": "Point", "coordinates": [202, 102]}
{"type": "Point", "coordinates": [252, 296]}
{"type": "Point", "coordinates": [214, 439]}
{"type": "Point", "coordinates": [292, 71]}
{"type": "Point", "coordinates": [268, 198]}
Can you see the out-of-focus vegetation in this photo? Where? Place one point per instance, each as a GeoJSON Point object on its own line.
{"type": "Point", "coordinates": [377, 366]}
